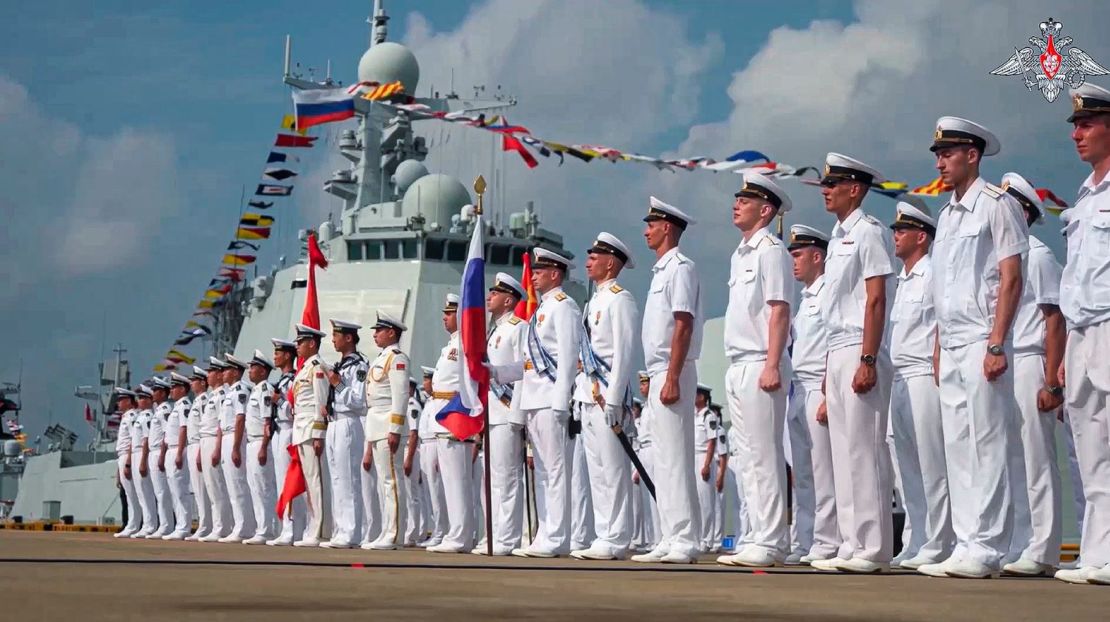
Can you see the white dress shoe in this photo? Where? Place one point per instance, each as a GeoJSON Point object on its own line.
{"type": "Point", "coordinates": [539, 553]}
{"type": "Point", "coordinates": [970, 569]}
{"type": "Point", "coordinates": [678, 557]}
{"type": "Point", "coordinates": [1079, 576]}
{"type": "Point", "coordinates": [794, 559]}
{"type": "Point", "coordinates": [939, 569]}
{"type": "Point", "coordinates": [255, 540]}
{"type": "Point", "coordinates": [862, 566]}
{"type": "Point", "coordinates": [600, 554]}
{"type": "Point", "coordinates": [177, 535]}
{"type": "Point", "coordinates": [1100, 576]}
{"type": "Point", "coordinates": [333, 544]}
{"type": "Point", "coordinates": [212, 537]}
{"type": "Point", "coordinates": [828, 565]}
{"type": "Point", "coordinates": [915, 562]}
{"type": "Point", "coordinates": [806, 559]}
{"type": "Point", "coordinates": [1028, 568]}
{"type": "Point", "coordinates": [280, 542]}
{"type": "Point", "coordinates": [232, 539]}
{"type": "Point", "coordinates": [754, 557]}
{"type": "Point", "coordinates": [378, 545]}
{"type": "Point", "coordinates": [445, 548]}
{"type": "Point", "coordinates": [424, 544]}
{"type": "Point", "coordinates": [651, 557]}
{"type": "Point", "coordinates": [161, 533]}
{"type": "Point", "coordinates": [307, 543]}
{"type": "Point", "coordinates": [122, 534]}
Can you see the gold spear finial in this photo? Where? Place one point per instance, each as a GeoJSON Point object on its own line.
{"type": "Point", "coordinates": [480, 189]}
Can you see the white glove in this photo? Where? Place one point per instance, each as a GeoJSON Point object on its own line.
{"type": "Point", "coordinates": [492, 371]}
{"type": "Point", "coordinates": [613, 415]}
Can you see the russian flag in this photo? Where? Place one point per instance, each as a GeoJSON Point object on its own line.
{"type": "Point", "coordinates": [317, 106]}
{"type": "Point", "coordinates": [464, 414]}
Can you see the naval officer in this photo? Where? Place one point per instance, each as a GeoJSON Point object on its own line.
{"type": "Point", "coordinates": [1085, 301]}
{"type": "Point", "coordinates": [915, 418]}
{"type": "Point", "coordinates": [607, 355]}
{"type": "Point", "coordinates": [506, 420]}
{"type": "Point", "coordinates": [415, 524]}
{"type": "Point", "coordinates": [671, 335]}
{"type": "Point", "coordinates": [125, 403]}
{"type": "Point", "coordinates": [387, 398]}
{"type": "Point", "coordinates": [140, 456]}
{"type": "Point", "coordinates": [345, 438]}
{"type": "Point", "coordinates": [1039, 338]}
{"type": "Point", "coordinates": [280, 432]}
{"type": "Point", "coordinates": [156, 438]}
{"type": "Point", "coordinates": [310, 424]}
{"type": "Point", "coordinates": [977, 287]}
{"type": "Point", "coordinates": [198, 382]}
{"type": "Point", "coordinates": [175, 458]}
{"type": "Point", "coordinates": [260, 464]}
{"type": "Point", "coordinates": [859, 274]}
{"type": "Point", "coordinates": [707, 424]}
{"type": "Point", "coordinates": [645, 450]}
{"type": "Point", "coordinates": [429, 461]}
{"type": "Point", "coordinates": [233, 422]}
{"type": "Point", "coordinates": [757, 327]}
{"type": "Point", "coordinates": [211, 436]}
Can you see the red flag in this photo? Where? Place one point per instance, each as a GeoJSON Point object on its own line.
{"type": "Point", "coordinates": [512, 143]}
{"type": "Point", "coordinates": [294, 481]}
{"type": "Point", "coordinates": [290, 140]}
{"type": "Point", "coordinates": [527, 305]}
{"type": "Point", "coordinates": [88, 415]}
{"type": "Point", "coordinates": [311, 314]}
{"type": "Point", "coordinates": [1047, 195]}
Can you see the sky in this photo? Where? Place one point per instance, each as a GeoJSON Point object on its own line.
{"type": "Point", "coordinates": [131, 128]}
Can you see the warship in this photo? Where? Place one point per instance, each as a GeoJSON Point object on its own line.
{"type": "Point", "coordinates": [399, 244]}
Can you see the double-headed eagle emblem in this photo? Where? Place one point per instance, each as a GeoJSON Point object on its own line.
{"type": "Point", "coordinates": [1051, 70]}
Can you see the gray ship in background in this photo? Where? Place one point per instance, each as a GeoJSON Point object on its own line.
{"type": "Point", "coordinates": [399, 244]}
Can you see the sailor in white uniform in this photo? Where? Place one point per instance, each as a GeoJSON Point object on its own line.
{"type": "Point", "coordinates": [140, 455]}
{"type": "Point", "coordinates": [608, 350]}
{"type": "Point", "coordinates": [814, 500]}
{"type": "Point", "coordinates": [859, 275]}
{"type": "Point", "coordinates": [1039, 339]}
{"type": "Point", "coordinates": [550, 355]}
{"type": "Point", "coordinates": [429, 464]}
{"type": "Point", "coordinates": [310, 424]}
{"type": "Point", "coordinates": [175, 457]}
{"type": "Point", "coordinates": [977, 263]}
{"type": "Point", "coordinates": [412, 482]}
{"type": "Point", "coordinates": [757, 329]}
{"type": "Point", "coordinates": [722, 478]}
{"type": "Point", "coordinates": [156, 438]}
{"type": "Point", "coordinates": [671, 335]}
{"type": "Point", "coordinates": [280, 433]}
{"type": "Point", "coordinates": [641, 523]}
{"type": "Point", "coordinates": [454, 456]}
{"type": "Point", "coordinates": [233, 422]}
{"type": "Point", "coordinates": [915, 418]}
{"type": "Point", "coordinates": [211, 457]}
{"type": "Point", "coordinates": [706, 430]}
{"type": "Point", "coordinates": [260, 464]}
{"type": "Point", "coordinates": [128, 475]}
{"type": "Point", "coordinates": [346, 439]}
{"type": "Point", "coordinates": [387, 398]}
{"type": "Point", "coordinates": [645, 450]}
{"type": "Point", "coordinates": [741, 523]}
{"type": "Point", "coordinates": [503, 347]}
{"type": "Point", "coordinates": [198, 381]}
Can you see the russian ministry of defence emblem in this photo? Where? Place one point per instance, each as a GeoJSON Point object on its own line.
{"type": "Point", "coordinates": [1052, 69]}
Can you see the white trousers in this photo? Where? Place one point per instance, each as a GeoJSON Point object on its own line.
{"type": "Point", "coordinates": [292, 523]}
{"type": "Point", "coordinates": [734, 489]}
{"type": "Point", "coordinates": [263, 489]}
{"type": "Point", "coordinates": [641, 531]}
{"type": "Point", "coordinates": [238, 492]}
{"type": "Point", "coordinates": [344, 448]}
{"type": "Point", "coordinates": [918, 431]}
{"type": "Point", "coordinates": [317, 502]}
{"type": "Point", "coordinates": [581, 498]}
{"type": "Point", "coordinates": [390, 494]}
{"type": "Point", "coordinates": [433, 487]}
{"type": "Point", "coordinates": [826, 529]}
{"type": "Point", "coordinates": [200, 492]}
{"type": "Point", "coordinates": [216, 487]}
{"type": "Point", "coordinates": [134, 510]}
{"type": "Point", "coordinates": [980, 421]}
{"type": "Point", "coordinates": [478, 497]}
{"type": "Point", "coordinates": [144, 490]}
{"type": "Point", "coordinates": [861, 467]}
{"type": "Point", "coordinates": [803, 500]}
{"type": "Point", "coordinates": [610, 482]}
{"type": "Point", "coordinates": [455, 469]}
{"type": "Point", "coordinates": [178, 482]}
{"type": "Point", "coordinates": [652, 529]}
{"type": "Point", "coordinates": [162, 497]}
{"type": "Point", "coordinates": [506, 485]}
{"type": "Point", "coordinates": [707, 498]}
{"type": "Point", "coordinates": [1079, 502]}
{"type": "Point", "coordinates": [759, 418]}
{"type": "Point", "coordinates": [415, 512]}
{"type": "Point", "coordinates": [553, 458]}
{"type": "Point", "coordinates": [675, 488]}
{"type": "Point", "coordinates": [1088, 401]}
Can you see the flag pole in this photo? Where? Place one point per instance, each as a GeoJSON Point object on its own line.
{"type": "Point", "coordinates": [479, 189]}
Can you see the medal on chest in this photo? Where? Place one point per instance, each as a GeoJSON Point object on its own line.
{"type": "Point", "coordinates": [597, 318]}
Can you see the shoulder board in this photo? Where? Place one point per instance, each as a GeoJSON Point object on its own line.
{"type": "Point", "coordinates": [395, 350]}
{"type": "Point", "coordinates": [993, 191]}
{"type": "Point", "coordinates": [767, 241]}
{"type": "Point", "coordinates": [560, 296]}
{"type": "Point", "coordinates": [314, 362]}
{"type": "Point", "coordinates": [514, 320]}
{"type": "Point", "coordinates": [616, 289]}
{"type": "Point", "coordinates": [871, 219]}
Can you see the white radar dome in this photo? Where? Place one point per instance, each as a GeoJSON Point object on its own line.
{"type": "Point", "coordinates": [437, 197]}
{"type": "Point", "coordinates": [388, 62]}
{"type": "Point", "coordinates": [407, 172]}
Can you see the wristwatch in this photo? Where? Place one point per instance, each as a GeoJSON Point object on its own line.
{"type": "Point", "coordinates": [1055, 390]}
{"type": "Point", "coordinates": [868, 359]}
{"type": "Point", "coordinates": [995, 349]}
